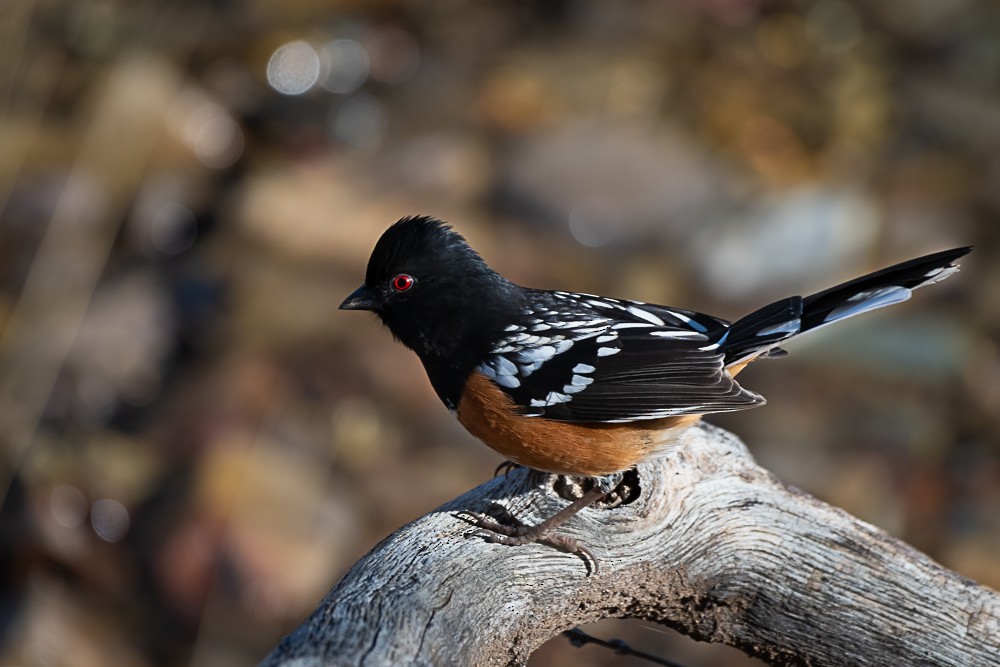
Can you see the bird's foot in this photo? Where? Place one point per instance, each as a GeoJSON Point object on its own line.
{"type": "Point", "coordinates": [519, 534]}
{"type": "Point", "coordinates": [495, 532]}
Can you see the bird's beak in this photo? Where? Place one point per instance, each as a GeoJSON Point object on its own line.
{"type": "Point", "coordinates": [360, 299]}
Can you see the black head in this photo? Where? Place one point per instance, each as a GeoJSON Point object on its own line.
{"type": "Point", "coordinates": [436, 295]}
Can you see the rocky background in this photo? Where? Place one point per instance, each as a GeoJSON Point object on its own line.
{"type": "Point", "coordinates": [197, 444]}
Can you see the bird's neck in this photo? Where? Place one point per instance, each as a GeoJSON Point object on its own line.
{"type": "Point", "coordinates": [453, 344]}
{"type": "Point", "coordinates": [447, 380]}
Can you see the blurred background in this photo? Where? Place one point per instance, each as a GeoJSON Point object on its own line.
{"type": "Point", "coordinates": [197, 444]}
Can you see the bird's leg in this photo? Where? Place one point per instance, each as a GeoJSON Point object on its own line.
{"type": "Point", "coordinates": [516, 535]}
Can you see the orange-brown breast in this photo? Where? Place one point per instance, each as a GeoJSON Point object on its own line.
{"type": "Point", "coordinates": [561, 447]}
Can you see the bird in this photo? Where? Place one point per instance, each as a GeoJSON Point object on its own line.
{"type": "Point", "coordinates": [578, 384]}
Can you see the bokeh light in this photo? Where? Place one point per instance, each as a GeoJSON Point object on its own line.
{"type": "Point", "coordinates": [594, 223]}
{"type": "Point", "coordinates": [109, 519]}
{"type": "Point", "coordinates": [206, 128]}
{"type": "Point", "coordinates": [171, 229]}
{"type": "Point", "coordinates": [68, 505]}
{"type": "Point", "coordinates": [218, 143]}
{"type": "Point", "coordinates": [293, 68]}
{"type": "Point", "coordinates": [345, 65]}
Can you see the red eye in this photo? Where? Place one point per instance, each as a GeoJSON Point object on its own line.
{"type": "Point", "coordinates": [402, 282]}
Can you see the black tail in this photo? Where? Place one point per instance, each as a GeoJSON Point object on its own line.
{"type": "Point", "coordinates": [760, 332]}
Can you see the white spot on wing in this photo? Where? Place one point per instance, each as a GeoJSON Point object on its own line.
{"type": "Point", "coordinates": [503, 365]}
{"type": "Point", "coordinates": [632, 325]}
{"type": "Point", "coordinates": [536, 354]}
{"type": "Point", "coordinates": [577, 324]}
{"type": "Point", "coordinates": [528, 369]}
{"type": "Point", "coordinates": [606, 303]}
{"type": "Point", "coordinates": [607, 351]}
{"type": "Point", "coordinates": [607, 339]}
{"type": "Point", "coordinates": [687, 320]}
{"type": "Point", "coordinates": [509, 381]}
{"type": "Point", "coordinates": [554, 397]}
{"type": "Point", "coordinates": [646, 315]}
{"type": "Point", "coordinates": [674, 333]}
{"type": "Point", "coordinates": [527, 339]}
{"type": "Point", "coordinates": [583, 368]}
{"type": "Point", "coordinates": [492, 371]}
{"type": "Point", "coordinates": [487, 370]}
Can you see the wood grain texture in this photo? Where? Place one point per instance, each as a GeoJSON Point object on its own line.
{"type": "Point", "coordinates": [715, 547]}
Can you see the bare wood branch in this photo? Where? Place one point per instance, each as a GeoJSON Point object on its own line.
{"type": "Point", "coordinates": [715, 546]}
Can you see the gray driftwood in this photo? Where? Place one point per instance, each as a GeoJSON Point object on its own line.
{"type": "Point", "coordinates": [714, 546]}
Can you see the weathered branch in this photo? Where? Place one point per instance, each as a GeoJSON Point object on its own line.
{"type": "Point", "coordinates": [714, 546]}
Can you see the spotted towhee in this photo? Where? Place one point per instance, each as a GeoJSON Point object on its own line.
{"type": "Point", "coordinates": [577, 384]}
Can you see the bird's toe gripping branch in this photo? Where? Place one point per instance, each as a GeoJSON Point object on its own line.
{"type": "Point", "coordinates": [617, 489]}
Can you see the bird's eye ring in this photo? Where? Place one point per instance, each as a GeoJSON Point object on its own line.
{"type": "Point", "coordinates": [402, 282]}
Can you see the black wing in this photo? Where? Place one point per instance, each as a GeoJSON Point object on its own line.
{"type": "Point", "coordinates": [591, 359]}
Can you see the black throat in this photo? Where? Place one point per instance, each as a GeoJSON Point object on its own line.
{"type": "Point", "coordinates": [458, 330]}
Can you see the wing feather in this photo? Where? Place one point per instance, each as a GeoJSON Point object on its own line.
{"type": "Point", "coordinates": [639, 362]}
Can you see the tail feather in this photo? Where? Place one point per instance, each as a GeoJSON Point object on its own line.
{"type": "Point", "coordinates": [764, 329]}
